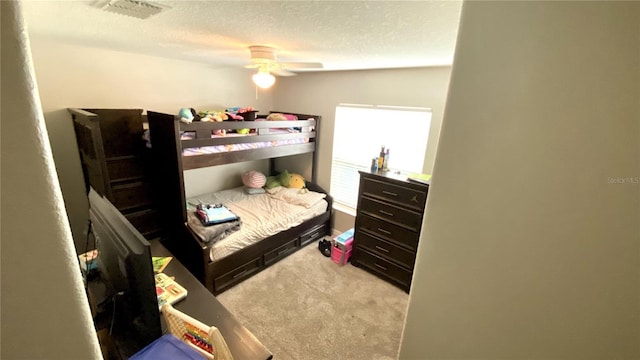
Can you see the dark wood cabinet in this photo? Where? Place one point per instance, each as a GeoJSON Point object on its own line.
{"type": "Point", "coordinates": [115, 162]}
{"type": "Point", "coordinates": [388, 224]}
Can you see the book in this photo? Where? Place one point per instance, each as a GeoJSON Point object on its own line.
{"type": "Point", "coordinates": [168, 290]}
{"type": "Point", "coordinates": [420, 178]}
{"type": "Point", "coordinates": [345, 236]}
{"type": "Point", "coordinates": [160, 262]}
{"type": "Point", "coordinates": [211, 214]}
{"type": "Point", "coordinates": [89, 261]}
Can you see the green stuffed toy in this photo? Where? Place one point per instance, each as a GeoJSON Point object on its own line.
{"type": "Point", "coordinates": [282, 179]}
{"type": "Point", "coordinates": [288, 180]}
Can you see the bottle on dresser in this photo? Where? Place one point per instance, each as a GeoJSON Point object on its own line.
{"type": "Point", "coordinates": [385, 161]}
{"type": "Point", "coordinates": [381, 159]}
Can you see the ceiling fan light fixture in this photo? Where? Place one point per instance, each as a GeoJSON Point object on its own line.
{"type": "Point", "coordinates": [263, 79]}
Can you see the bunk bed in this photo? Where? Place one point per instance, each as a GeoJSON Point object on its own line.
{"type": "Point", "coordinates": [173, 152]}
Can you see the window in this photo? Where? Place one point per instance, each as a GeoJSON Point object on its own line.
{"type": "Point", "coordinates": [361, 130]}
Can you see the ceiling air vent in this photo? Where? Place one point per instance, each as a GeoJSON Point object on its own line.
{"type": "Point", "coordinates": [134, 8]}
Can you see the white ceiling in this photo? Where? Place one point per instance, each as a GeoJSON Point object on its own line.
{"type": "Point", "coordinates": [343, 35]}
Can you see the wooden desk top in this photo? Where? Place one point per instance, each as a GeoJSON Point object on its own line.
{"type": "Point", "coordinates": [202, 305]}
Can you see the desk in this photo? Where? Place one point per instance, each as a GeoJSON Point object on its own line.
{"type": "Point", "coordinates": [202, 305]}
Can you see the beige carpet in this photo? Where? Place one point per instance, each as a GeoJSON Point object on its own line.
{"type": "Point", "coordinates": [307, 307]}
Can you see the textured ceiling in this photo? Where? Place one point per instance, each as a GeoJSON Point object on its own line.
{"type": "Point", "coordinates": [343, 35]}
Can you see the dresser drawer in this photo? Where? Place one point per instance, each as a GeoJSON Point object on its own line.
{"type": "Point", "coordinates": [383, 268]}
{"type": "Point", "coordinates": [399, 216]}
{"type": "Point", "coordinates": [385, 249]}
{"type": "Point", "coordinates": [387, 231]}
{"type": "Point", "coordinates": [402, 196]}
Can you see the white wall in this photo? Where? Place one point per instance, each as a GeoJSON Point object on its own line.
{"type": "Point", "coordinates": [320, 93]}
{"type": "Point", "coordinates": [45, 313]}
{"type": "Point", "coordinates": [531, 240]}
{"type": "Point", "coordinates": [75, 76]}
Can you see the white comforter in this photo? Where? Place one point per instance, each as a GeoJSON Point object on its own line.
{"type": "Point", "coordinates": [262, 215]}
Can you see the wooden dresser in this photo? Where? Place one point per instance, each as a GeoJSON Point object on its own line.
{"type": "Point", "coordinates": [388, 223]}
{"type": "Point", "coordinates": [115, 163]}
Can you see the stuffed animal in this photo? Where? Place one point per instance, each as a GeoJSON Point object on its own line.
{"type": "Point", "coordinates": [296, 181]}
{"type": "Point", "coordinates": [276, 117]}
{"type": "Point", "coordinates": [185, 115]}
{"type": "Point", "coordinates": [188, 115]}
{"type": "Point", "coordinates": [282, 179]}
{"type": "Point", "coordinates": [286, 179]}
{"type": "Point", "coordinates": [213, 116]}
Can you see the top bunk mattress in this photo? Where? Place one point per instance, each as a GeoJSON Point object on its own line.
{"type": "Point", "coordinates": [261, 216]}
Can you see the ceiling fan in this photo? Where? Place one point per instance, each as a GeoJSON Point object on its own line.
{"type": "Point", "coordinates": [265, 60]}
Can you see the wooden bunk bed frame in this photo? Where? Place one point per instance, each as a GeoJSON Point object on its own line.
{"type": "Point", "coordinates": [169, 164]}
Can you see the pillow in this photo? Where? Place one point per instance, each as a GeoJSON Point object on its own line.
{"type": "Point", "coordinates": [253, 191]}
{"type": "Point", "coordinates": [254, 179]}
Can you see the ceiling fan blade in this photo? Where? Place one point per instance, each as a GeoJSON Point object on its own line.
{"type": "Point", "coordinates": [282, 72]}
{"type": "Point", "coordinates": [302, 65]}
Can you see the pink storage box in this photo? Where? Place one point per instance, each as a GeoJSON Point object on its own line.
{"type": "Point", "coordinates": [340, 253]}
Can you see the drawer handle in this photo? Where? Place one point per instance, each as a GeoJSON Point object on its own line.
{"type": "Point", "coordinates": [380, 266]}
{"type": "Point", "coordinates": [282, 251]}
{"type": "Point", "coordinates": [385, 213]}
{"type": "Point", "coordinates": [384, 231]}
{"type": "Point", "coordinates": [389, 193]}
{"type": "Point", "coordinates": [240, 273]}
{"type": "Point", "coordinates": [382, 249]}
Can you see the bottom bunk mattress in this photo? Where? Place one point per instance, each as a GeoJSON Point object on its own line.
{"type": "Point", "coordinates": [260, 216]}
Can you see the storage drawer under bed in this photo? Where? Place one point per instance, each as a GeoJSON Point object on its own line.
{"type": "Point", "coordinates": [313, 234]}
{"type": "Point", "coordinates": [280, 252]}
{"type": "Point", "coordinates": [232, 277]}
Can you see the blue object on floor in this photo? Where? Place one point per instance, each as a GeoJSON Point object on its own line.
{"type": "Point", "coordinates": [167, 347]}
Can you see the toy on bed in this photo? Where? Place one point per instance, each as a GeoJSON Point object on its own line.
{"type": "Point", "coordinates": [281, 117]}
{"type": "Point", "coordinates": [253, 182]}
{"type": "Point", "coordinates": [208, 116]}
{"type": "Point", "coordinates": [287, 180]}
{"type": "Point", "coordinates": [188, 115]}
{"type": "Point", "coordinates": [213, 116]}
{"type": "Point", "coordinates": [243, 113]}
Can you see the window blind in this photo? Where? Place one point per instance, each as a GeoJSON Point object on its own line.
{"type": "Point", "coordinates": [359, 133]}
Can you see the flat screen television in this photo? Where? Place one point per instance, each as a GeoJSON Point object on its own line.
{"type": "Point", "coordinates": [125, 265]}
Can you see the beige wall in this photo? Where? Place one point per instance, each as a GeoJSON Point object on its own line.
{"type": "Point", "coordinates": [45, 313]}
{"type": "Point", "coordinates": [531, 240]}
{"type": "Point", "coordinates": [74, 76]}
{"type": "Point", "coordinates": [320, 93]}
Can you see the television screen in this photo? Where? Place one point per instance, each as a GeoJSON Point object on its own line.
{"type": "Point", "coordinates": [124, 261]}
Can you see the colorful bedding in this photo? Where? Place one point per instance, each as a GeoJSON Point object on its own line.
{"type": "Point", "coordinates": [189, 135]}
